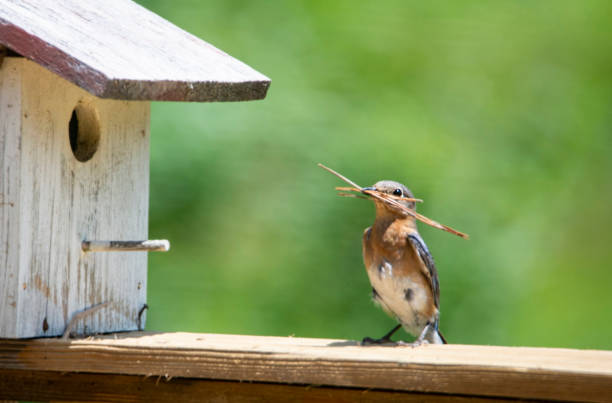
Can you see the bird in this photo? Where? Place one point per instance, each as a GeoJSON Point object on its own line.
{"type": "Point", "coordinates": [401, 269]}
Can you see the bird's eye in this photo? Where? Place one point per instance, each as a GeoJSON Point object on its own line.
{"type": "Point", "coordinates": [397, 192]}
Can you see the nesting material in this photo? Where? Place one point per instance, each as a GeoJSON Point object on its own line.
{"type": "Point", "coordinates": [393, 202]}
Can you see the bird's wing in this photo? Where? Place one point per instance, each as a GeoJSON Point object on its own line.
{"type": "Point", "coordinates": [367, 247]}
{"type": "Point", "coordinates": [432, 274]}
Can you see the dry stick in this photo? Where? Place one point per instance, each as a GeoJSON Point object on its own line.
{"type": "Point", "coordinates": [393, 203]}
{"type": "Point", "coordinates": [354, 196]}
{"type": "Point", "coordinates": [403, 209]}
{"type": "Point", "coordinates": [443, 227]}
{"type": "Point", "coordinates": [409, 199]}
{"type": "Point", "coordinates": [80, 315]}
{"type": "Point", "coordinates": [350, 182]}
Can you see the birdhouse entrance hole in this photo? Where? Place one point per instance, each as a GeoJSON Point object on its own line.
{"type": "Point", "coordinates": [84, 132]}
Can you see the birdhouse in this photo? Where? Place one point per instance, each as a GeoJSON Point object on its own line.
{"type": "Point", "coordinates": [76, 81]}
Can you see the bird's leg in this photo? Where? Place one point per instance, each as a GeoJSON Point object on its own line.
{"type": "Point", "coordinates": [422, 339]}
{"type": "Point", "coordinates": [385, 339]}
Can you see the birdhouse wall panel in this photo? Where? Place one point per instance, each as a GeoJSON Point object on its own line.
{"type": "Point", "coordinates": [64, 201]}
{"type": "Point", "coordinates": [10, 122]}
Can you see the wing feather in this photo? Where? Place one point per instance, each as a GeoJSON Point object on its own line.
{"type": "Point", "coordinates": [432, 274]}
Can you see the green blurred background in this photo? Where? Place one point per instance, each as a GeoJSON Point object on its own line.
{"type": "Point", "coordinates": [497, 114]}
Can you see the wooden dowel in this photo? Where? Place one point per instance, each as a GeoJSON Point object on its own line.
{"type": "Point", "coordinates": [155, 245]}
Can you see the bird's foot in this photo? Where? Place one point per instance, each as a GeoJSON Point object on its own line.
{"type": "Point", "coordinates": [386, 339]}
{"type": "Point", "coordinates": [368, 341]}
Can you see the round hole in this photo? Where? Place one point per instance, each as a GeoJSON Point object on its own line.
{"type": "Point", "coordinates": [84, 132]}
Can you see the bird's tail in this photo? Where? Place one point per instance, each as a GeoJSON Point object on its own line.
{"type": "Point", "coordinates": [434, 336]}
{"type": "Point", "coordinates": [442, 337]}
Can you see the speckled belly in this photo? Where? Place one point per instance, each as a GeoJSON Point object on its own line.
{"type": "Point", "coordinates": [402, 297]}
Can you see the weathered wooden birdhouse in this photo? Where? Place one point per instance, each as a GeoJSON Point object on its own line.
{"type": "Point", "coordinates": [76, 79]}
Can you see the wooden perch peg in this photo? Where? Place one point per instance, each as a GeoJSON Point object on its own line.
{"type": "Point", "coordinates": [155, 245]}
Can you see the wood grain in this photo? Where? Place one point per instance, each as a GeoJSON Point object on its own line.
{"type": "Point", "coordinates": [51, 202]}
{"type": "Point", "coordinates": [121, 50]}
{"type": "Point", "coordinates": [49, 385]}
{"type": "Point", "coordinates": [10, 163]}
{"type": "Point", "coordinates": [486, 371]}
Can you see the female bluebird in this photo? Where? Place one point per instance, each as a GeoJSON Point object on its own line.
{"type": "Point", "coordinates": [401, 270]}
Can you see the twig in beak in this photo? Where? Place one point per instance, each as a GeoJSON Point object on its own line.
{"type": "Point", "coordinates": [367, 192]}
{"type": "Point", "coordinates": [350, 182]}
{"type": "Point", "coordinates": [353, 195]}
{"type": "Point", "coordinates": [391, 201]}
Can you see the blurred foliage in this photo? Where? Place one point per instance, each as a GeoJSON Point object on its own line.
{"type": "Point", "coordinates": [497, 114]}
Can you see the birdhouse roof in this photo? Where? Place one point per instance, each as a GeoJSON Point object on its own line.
{"type": "Point", "coordinates": [120, 50]}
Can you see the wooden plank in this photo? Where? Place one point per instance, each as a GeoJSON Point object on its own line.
{"type": "Point", "coordinates": [121, 50]}
{"type": "Point", "coordinates": [57, 201]}
{"type": "Point", "coordinates": [48, 385]}
{"type": "Point", "coordinates": [10, 124]}
{"type": "Point", "coordinates": [510, 372]}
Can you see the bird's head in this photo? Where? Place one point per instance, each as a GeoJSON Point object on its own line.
{"type": "Point", "coordinates": [395, 189]}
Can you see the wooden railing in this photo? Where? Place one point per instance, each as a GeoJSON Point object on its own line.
{"type": "Point", "coordinates": [205, 367]}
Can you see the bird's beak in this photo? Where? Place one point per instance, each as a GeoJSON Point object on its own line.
{"type": "Point", "coordinates": [368, 188]}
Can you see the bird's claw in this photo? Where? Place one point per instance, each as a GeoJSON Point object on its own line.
{"type": "Point", "coordinates": [368, 341]}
